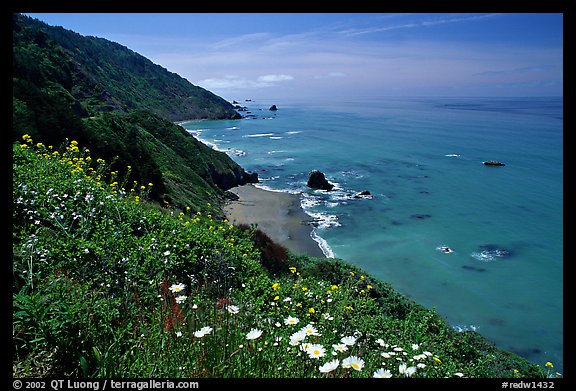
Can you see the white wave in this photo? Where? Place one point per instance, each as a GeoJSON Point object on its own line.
{"type": "Point", "coordinates": [482, 256]}
{"type": "Point", "coordinates": [444, 249]}
{"type": "Point", "coordinates": [233, 128]}
{"type": "Point", "coordinates": [321, 220]}
{"type": "Point", "coordinates": [235, 152]}
{"type": "Point", "coordinates": [276, 138]}
{"type": "Point", "coordinates": [489, 255]}
{"type": "Point", "coordinates": [194, 132]}
{"type": "Point", "coordinates": [324, 220]}
{"type": "Point", "coordinates": [259, 135]}
{"type": "Point", "coordinates": [462, 328]}
{"type": "Point", "coordinates": [308, 202]}
{"type": "Point", "coordinates": [452, 155]}
{"type": "Point", "coordinates": [200, 130]}
{"type": "Point", "coordinates": [272, 152]}
{"type": "Point", "coordinates": [323, 244]}
{"type": "Point", "coordinates": [294, 132]}
{"type": "Point", "coordinates": [268, 188]}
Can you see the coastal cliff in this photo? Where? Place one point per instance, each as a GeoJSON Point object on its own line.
{"type": "Point", "coordinates": [122, 107]}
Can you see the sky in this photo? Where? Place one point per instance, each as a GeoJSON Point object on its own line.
{"type": "Point", "coordinates": [321, 55]}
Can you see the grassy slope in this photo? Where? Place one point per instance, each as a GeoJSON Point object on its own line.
{"type": "Point", "coordinates": [105, 262]}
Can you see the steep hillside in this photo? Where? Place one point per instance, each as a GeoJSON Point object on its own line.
{"type": "Point", "coordinates": [119, 104]}
{"type": "Point", "coordinates": [100, 75]}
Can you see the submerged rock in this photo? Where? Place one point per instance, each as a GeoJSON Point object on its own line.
{"type": "Point", "coordinates": [363, 194]}
{"type": "Point", "coordinates": [317, 180]}
{"type": "Point", "coordinates": [493, 163]}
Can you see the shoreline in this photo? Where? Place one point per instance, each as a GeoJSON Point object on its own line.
{"type": "Point", "coordinates": [278, 214]}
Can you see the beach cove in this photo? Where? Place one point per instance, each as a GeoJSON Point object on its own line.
{"type": "Point", "coordinates": [278, 214]}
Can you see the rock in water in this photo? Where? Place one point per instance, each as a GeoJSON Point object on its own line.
{"type": "Point", "coordinates": [273, 108]}
{"type": "Point", "coordinates": [317, 180]}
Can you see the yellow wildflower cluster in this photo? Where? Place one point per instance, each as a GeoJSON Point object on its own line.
{"type": "Point", "coordinates": [81, 161]}
{"type": "Point", "coordinates": [72, 155]}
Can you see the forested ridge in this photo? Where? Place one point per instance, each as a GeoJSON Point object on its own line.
{"type": "Point", "coordinates": [122, 107]}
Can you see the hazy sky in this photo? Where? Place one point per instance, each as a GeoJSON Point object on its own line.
{"type": "Point", "coordinates": [283, 55]}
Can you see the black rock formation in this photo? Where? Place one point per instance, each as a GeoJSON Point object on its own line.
{"type": "Point", "coordinates": [232, 178]}
{"type": "Point", "coordinates": [317, 180]}
{"type": "Point", "coordinates": [273, 108]}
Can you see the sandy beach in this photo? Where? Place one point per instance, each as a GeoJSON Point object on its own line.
{"type": "Point", "coordinates": [277, 214]}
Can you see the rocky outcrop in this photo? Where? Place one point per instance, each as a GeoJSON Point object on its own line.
{"type": "Point", "coordinates": [493, 163]}
{"type": "Point", "coordinates": [317, 180]}
{"type": "Point", "coordinates": [363, 194]}
{"type": "Point", "coordinates": [229, 179]}
{"type": "Point", "coordinates": [273, 108]}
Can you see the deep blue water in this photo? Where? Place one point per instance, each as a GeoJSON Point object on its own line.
{"type": "Point", "coordinates": [421, 159]}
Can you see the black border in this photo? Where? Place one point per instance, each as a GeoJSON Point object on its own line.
{"type": "Point", "coordinates": [566, 7]}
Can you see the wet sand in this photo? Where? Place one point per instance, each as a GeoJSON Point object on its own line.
{"type": "Point", "coordinates": [277, 214]}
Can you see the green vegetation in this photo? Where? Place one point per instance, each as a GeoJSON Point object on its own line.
{"type": "Point", "coordinates": [109, 284]}
{"type": "Point", "coordinates": [88, 75]}
{"type": "Point", "coordinates": [123, 265]}
{"type": "Point", "coordinates": [122, 107]}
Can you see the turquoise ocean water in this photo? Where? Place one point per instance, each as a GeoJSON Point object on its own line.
{"type": "Point", "coordinates": [421, 160]}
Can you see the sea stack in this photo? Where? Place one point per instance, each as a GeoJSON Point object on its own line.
{"type": "Point", "coordinates": [317, 180]}
{"type": "Point", "coordinates": [273, 108]}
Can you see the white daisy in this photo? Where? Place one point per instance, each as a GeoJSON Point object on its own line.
{"type": "Point", "coordinates": [253, 334]}
{"type": "Point", "coordinates": [353, 362]}
{"type": "Point", "coordinates": [329, 366]}
{"type": "Point", "coordinates": [382, 374]}
{"type": "Point", "coordinates": [177, 288]}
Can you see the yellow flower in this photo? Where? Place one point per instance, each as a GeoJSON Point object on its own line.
{"type": "Point", "coordinates": [549, 364]}
{"type": "Point", "coordinates": [362, 278]}
{"type": "Point", "coordinates": [349, 308]}
{"type": "Point", "coordinates": [368, 287]}
{"type": "Point", "coordinates": [276, 298]}
{"type": "Point", "coordinates": [292, 269]}
{"type": "Point", "coordinates": [352, 274]}
{"type": "Point", "coordinates": [304, 289]}
{"type": "Point", "coordinates": [334, 287]}
{"type": "Point", "coordinates": [275, 286]}
{"type": "Point", "coordinates": [437, 360]}
{"type": "Point", "coordinates": [311, 310]}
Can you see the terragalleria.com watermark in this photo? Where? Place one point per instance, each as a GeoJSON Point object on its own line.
{"type": "Point", "coordinates": [97, 385]}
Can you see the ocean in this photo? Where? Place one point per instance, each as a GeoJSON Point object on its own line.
{"type": "Point", "coordinates": [482, 245]}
